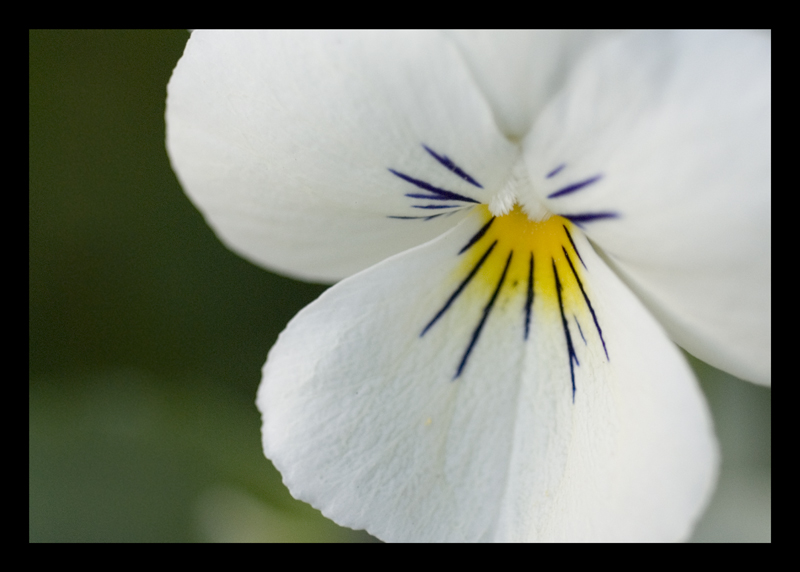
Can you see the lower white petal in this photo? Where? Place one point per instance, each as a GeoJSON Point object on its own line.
{"type": "Point", "coordinates": [496, 383]}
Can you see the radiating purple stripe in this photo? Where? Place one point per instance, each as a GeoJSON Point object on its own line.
{"type": "Point", "coordinates": [580, 330]}
{"type": "Point", "coordinates": [429, 197]}
{"type": "Point", "coordinates": [574, 187]}
{"type": "Point", "coordinates": [575, 248]}
{"type": "Point", "coordinates": [448, 163]}
{"type": "Point", "coordinates": [476, 334]}
{"type": "Point", "coordinates": [431, 188]}
{"type": "Point", "coordinates": [436, 206]}
{"type": "Point", "coordinates": [418, 217]}
{"type": "Point", "coordinates": [529, 298]}
{"type": "Point", "coordinates": [588, 303]}
{"type": "Point", "coordinates": [460, 288]}
{"type": "Point", "coordinates": [556, 171]}
{"type": "Point", "coordinates": [581, 218]}
{"type": "Point", "coordinates": [478, 235]}
{"type": "Point", "coordinates": [570, 348]}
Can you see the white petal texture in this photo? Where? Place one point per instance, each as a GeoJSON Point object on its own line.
{"type": "Point", "coordinates": [284, 141]}
{"type": "Point", "coordinates": [519, 71]}
{"type": "Point", "coordinates": [676, 126]}
{"type": "Point", "coordinates": [484, 371]}
{"type": "Point", "coordinates": [386, 429]}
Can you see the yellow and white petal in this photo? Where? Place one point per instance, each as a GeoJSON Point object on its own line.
{"type": "Point", "coordinates": [497, 383]}
{"type": "Point", "coordinates": [519, 71]}
{"type": "Point", "coordinates": [659, 146]}
{"type": "Point", "coordinates": [318, 154]}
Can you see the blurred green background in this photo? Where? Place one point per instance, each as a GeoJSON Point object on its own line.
{"type": "Point", "coordinates": [147, 336]}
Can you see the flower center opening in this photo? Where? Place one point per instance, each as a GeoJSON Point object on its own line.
{"type": "Point", "coordinates": [518, 185]}
{"type": "Point", "coordinates": [523, 254]}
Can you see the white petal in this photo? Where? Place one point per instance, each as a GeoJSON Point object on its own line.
{"type": "Point", "coordinates": [404, 404]}
{"type": "Point", "coordinates": [669, 132]}
{"type": "Point", "coordinates": [519, 71]}
{"type": "Point", "coordinates": [285, 141]}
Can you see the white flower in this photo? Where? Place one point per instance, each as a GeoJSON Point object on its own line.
{"type": "Point", "coordinates": [484, 371]}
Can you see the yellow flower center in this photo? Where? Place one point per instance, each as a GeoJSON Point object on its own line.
{"type": "Point", "coordinates": [529, 257]}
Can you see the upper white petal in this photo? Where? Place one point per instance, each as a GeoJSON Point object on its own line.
{"type": "Point", "coordinates": [364, 419]}
{"type": "Point", "coordinates": [676, 128]}
{"type": "Point", "coordinates": [284, 141]}
{"type": "Point", "coordinates": [519, 71]}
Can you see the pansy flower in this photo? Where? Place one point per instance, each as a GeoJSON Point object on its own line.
{"type": "Point", "coordinates": [523, 226]}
